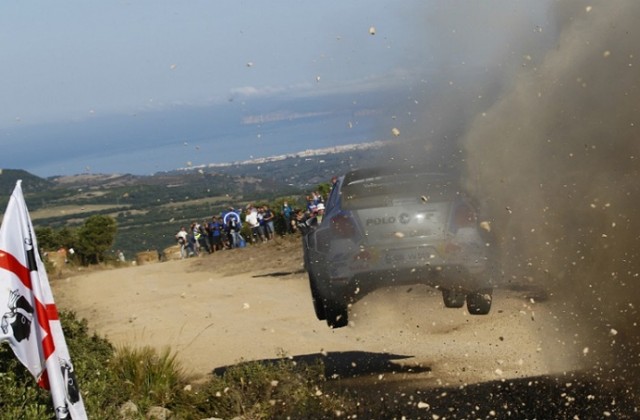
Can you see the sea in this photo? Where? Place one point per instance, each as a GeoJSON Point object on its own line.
{"type": "Point", "coordinates": [147, 143]}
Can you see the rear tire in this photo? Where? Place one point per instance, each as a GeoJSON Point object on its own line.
{"type": "Point", "coordinates": [479, 302]}
{"type": "Point", "coordinates": [452, 298]}
{"type": "Point", "coordinates": [337, 313]}
{"type": "Point", "coordinates": [316, 298]}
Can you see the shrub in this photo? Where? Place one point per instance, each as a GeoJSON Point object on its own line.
{"type": "Point", "coordinates": [21, 397]}
{"type": "Point", "coordinates": [90, 354]}
{"type": "Point", "coordinates": [283, 389]}
{"type": "Point", "coordinates": [148, 378]}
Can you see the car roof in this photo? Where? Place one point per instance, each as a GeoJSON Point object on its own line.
{"type": "Point", "coordinates": [371, 173]}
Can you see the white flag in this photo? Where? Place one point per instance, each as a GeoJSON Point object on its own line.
{"type": "Point", "coordinates": [29, 315]}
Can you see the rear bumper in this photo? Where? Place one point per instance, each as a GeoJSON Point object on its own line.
{"type": "Point", "coordinates": [333, 281]}
{"type": "Point", "coordinates": [450, 263]}
{"type": "Point", "coordinates": [446, 277]}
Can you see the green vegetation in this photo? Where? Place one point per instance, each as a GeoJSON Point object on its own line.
{"type": "Point", "coordinates": [256, 390]}
{"type": "Point", "coordinates": [49, 238]}
{"type": "Point", "coordinates": [95, 237]}
{"type": "Point", "coordinates": [90, 241]}
{"type": "Point", "coordinates": [148, 378]}
{"type": "Point", "coordinates": [90, 354]}
{"type": "Point", "coordinates": [144, 378]}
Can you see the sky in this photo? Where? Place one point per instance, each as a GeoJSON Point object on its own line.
{"type": "Point", "coordinates": [73, 69]}
{"type": "Point", "coordinates": [77, 59]}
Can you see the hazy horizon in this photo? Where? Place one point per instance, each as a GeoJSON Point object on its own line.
{"type": "Point", "coordinates": [157, 141]}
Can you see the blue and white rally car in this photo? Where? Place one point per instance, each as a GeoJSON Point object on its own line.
{"type": "Point", "coordinates": [395, 226]}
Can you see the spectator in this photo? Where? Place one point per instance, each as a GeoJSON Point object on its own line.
{"type": "Point", "coordinates": [192, 244]}
{"type": "Point", "coordinates": [252, 219]}
{"type": "Point", "coordinates": [320, 212]}
{"type": "Point", "coordinates": [287, 212]}
{"type": "Point", "coordinates": [311, 204]}
{"type": "Point", "coordinates": [204, 236]}
{"type": "Point", "coordinates": [233, 226]}
{"type": "Point", "coordinates": [304, 221]}
{"type": "Point", "coordinates": [268, 223]}
{"type": "Point", "coordinates": [194, 238]}
{"type": "Point", "coordinates": [317, 198]}
{"type": "Point", "coordinates": [181, 237]}
{"type": "Point", "coordinates": [214, 232]}
{"type": "Point", "coordinates": [262, 223]}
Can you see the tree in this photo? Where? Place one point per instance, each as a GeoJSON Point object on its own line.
{"type": "Point", "coordinates": [66, 237]}
{"type": "Point", "coordinates": [324, 189]}
{"type": "Point", "coordinates": [95, 237]}
{"type": "Point", "coordinates": [47, 238]}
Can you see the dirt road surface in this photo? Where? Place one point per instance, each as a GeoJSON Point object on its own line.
{"type": "Point", "coordinates": [254, 304]}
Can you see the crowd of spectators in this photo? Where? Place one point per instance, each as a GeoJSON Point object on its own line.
{"type": "Point", "coordinates": [234, 228]}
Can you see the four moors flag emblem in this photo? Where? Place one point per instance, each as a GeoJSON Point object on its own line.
{"type": "Point", "coordinates": [29, 318]}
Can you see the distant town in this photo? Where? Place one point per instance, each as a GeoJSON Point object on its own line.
{"type": "Point", "coordinates": [303, 154]}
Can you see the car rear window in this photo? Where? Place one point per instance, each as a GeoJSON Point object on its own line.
{"type": "Point", "coordinates": [393, 189]}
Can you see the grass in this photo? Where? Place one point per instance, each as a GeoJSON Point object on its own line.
{"type": "Point", "coordinates": [69, 210]}
{"type": "Point", "coordinates": [148, 378]}
{"type": "Point", "coordinates": [110, 377]}
{"type": "Point", "coordinates": [257, 390]}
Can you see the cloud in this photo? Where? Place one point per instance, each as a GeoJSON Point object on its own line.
{"type": "Point", "coordinates": [397, 78]}
{"type": "Point", "coordinates": [253, 91]}
{"type": "Point", "coordinates": [281, 116]}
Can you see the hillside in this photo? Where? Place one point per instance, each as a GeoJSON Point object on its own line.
{"type": "Point", "coordinates": [150, 209]}
{"type": "Point", "coordinates": [30, 182]}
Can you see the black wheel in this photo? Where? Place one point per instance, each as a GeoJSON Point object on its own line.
{"type": "Point", "coordinates": [316, 298]}
{"type": "Point", "coordinates": [453, 298]}
{"type": "Point", "coordinates": [337, 313]}
{"type": "Point", "coordinates": [479, 302]}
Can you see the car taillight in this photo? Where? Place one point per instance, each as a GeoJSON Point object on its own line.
{"type": "Point", "coordinates": [463, 216]}
{"type": "Point", "coordinates": [343, 226]}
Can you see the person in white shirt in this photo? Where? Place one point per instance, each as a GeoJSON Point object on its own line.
{"type": "Point", "coordinates": [252, 219]}
{"type": "Point", "coordinates": [181, 237]}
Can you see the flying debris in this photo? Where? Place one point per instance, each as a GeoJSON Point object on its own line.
{"type": "Point", "coordinates": [372, 30]}
{"type": "Point", "coordinates": [395, 131]}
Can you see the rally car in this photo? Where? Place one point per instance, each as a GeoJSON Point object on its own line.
{"type": "Point", "coordinates": [393, 226]}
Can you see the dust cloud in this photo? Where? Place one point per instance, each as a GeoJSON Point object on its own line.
{"type": "Point", "coordinates": [537, 105]}
{"type": "Point", "coordinates": [556, 159]}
